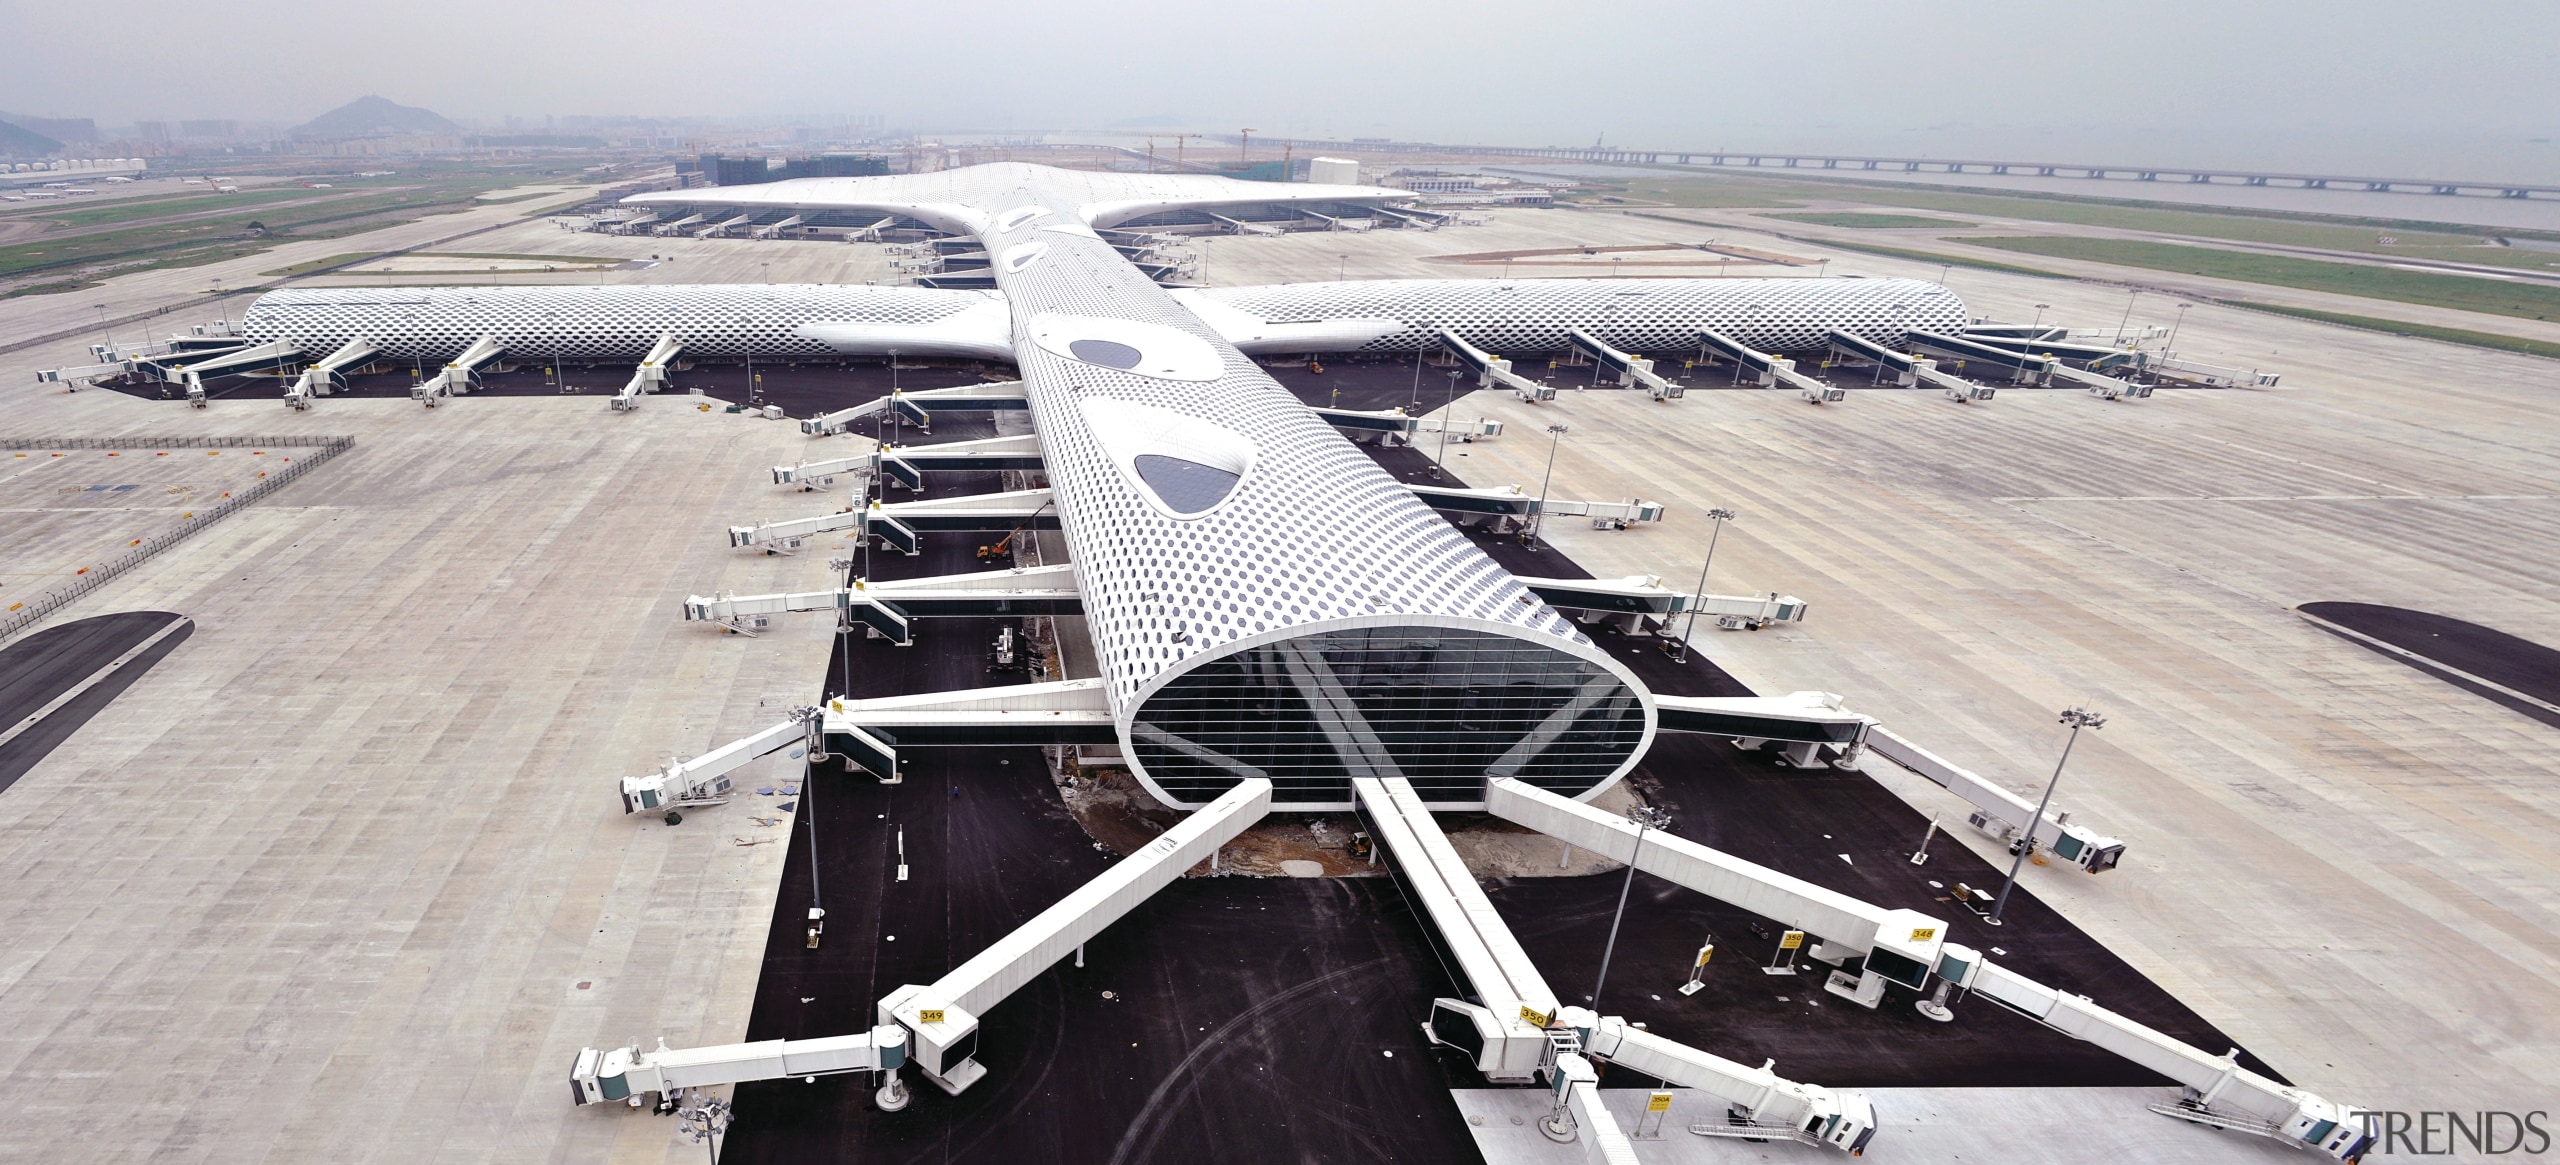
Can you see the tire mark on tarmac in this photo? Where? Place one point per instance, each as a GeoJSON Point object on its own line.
{"type": "Point", "coordinates": [1141, 1136]}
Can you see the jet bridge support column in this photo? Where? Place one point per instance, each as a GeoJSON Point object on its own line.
{"type": "Point", "coordinates": [944, 1015]}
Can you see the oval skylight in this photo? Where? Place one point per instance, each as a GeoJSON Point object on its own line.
{"type": "Point", "coordinates": [1107, 353]}
{"type": "Point", "coordinates": [1185, 487]}
{"type": "Point", "coordinates": [1182, 465]}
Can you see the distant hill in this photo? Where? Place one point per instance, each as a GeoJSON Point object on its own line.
{"type": "Point", "coordinates": [373, 116]}
{"type": "Point", "coordinates": [17, 141]}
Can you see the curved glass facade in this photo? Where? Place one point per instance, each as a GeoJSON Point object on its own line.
{"type": "Point", "coordinates": [1444, 708]}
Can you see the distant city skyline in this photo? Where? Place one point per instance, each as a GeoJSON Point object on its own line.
{"type": "Point", "coordinates": [2340, 86]}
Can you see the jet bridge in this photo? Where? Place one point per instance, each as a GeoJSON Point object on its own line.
{"type": "Point", "coordinates": [330, 372]}
{"type": "Point", "coordinates": [1997, 811]}
{"type": "Point", "coordinates": [1771, 371]}
{"type": "Point", "coordinates": [1475, 505]}
{"type": "Point", "coordinates": [1491, 370]}
{"type": "Point", "coordinates": [1632, 371]}
{"type": "Point", "coordinates": [919, 406]}
{"type": "Point", "coordinates": [651, 375]}
{"type": "Point", "coordinates": [192, 369]}
{"type": "Point", "coordinates": [1799, 725]}
{"type": "Point", "coordinates": [704, 780]}
{"type": "Point", "coordinates": [774, 230]}
{"type": "Point", "coordinates": [943, 1016]}
{"type": "Point", "coordinates": [460, 376]}
{"type": "Point", "coordinates": [1909, 371]}
{"type": "Point", "coordinates": [903, 524]}
{"type": "Point", "coordinates": [890, 608]}
{"type": "Point", "coordinates": [1641, 597]}
{"type": "Point", "coordinates": [869, 733]}
{"type": "Point", "coordinates": [1509, 1022]}
{"type": "Point", "coordinates": [721, 229]}
{"type": "Point", "coordinates": [2023, 368]}
{"type": "Point", "coordinates": [1372, 426]}
{"type": "Point", "coordinates": [2094, 357]}
{"type": "Point", "coordinates": [1908, 949]}
{"type": "Point", "coordinates": [676, 227]}
{"type": "Point", "coordinates": [2100, 385]}
{"type": "Point", "coordinates": [630, 1075]}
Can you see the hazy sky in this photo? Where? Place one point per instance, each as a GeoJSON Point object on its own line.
{"type": "Point", "coordinates": [2348, 84]}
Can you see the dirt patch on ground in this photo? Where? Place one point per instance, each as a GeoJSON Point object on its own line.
{"type": "Point", "coordinates": [1121, 816]}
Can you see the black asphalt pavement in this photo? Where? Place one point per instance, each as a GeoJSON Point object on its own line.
{"type": "Point", "coordinates": [38, 669]}
{"type": "Point", "coordinates": [2469, 648]}
{"type": "Point", "coordinates": [1252, 1019]}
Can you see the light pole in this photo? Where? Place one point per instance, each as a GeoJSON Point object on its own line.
{"type": "Point", "coordinates": [1417, 379]}
{"type": "Point", "coordinates": [1538, 521]}
{"type": "Point", "coordinates": [705, 1121]}
{"type": "Point", "coordinates": [1646, 817]}
{"type": "Point", "coordinates": [1342, 270]}
{"type": "Point", "coordinates": [2077, 718]}
{"type": "Point", "coordinates": [1447, 410]}
{"type": "Point", "coordinates": [2128, 314]}
{"type": "Point", "coordinates": [2039, 322]}
{"type": "Point", "coordinates": [1721, 516]}
{"type": "Point", "coordinates": [2181, 321]}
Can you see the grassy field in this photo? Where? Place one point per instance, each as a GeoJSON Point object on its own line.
{"type": "Point", "coordinates": [1934, 257]}
{"type": "Point", "coordinates": [199, 240]}
{"type": "Point", "coordinates": [2531, 301]}
{"type": "Point", "coordinates": [1862, 220]}
{"type": "Point", "coordinates": [2412, 238]}
{"type": "Point", "coordinates": [2465, 337]}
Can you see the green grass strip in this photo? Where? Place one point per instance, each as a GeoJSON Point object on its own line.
{"type": "Point", "coordinates": [1860, 220]}
{"type": "Point", "coordinates": [2468, 339]}
{"type": "Point", "coordinates": [1930, 257]}
{"type": "Point", "coordinates": [2505, 297]}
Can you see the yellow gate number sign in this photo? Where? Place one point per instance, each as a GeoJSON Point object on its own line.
{"type": "Point", "coordinates": [1791, 940]}
{"type": "Point", "coordinates": [929, 1015]}
{"type": "Point", "coordinates": [1531, 1015]}
{"type": "Point", "coordinates": [1922, 934]}
{"type": "Point", "coordinates": [1660, 1102]}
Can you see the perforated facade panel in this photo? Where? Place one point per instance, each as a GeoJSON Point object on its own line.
{"type": "Point", "coordinates": [1652, 316]}
{"type": "Point", "coordinates": [615, 323]}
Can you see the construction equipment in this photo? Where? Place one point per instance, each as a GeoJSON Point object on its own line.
{"type": "Point", "coordinates": [704, 780]}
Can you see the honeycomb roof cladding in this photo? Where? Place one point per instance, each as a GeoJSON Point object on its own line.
{"type": "Point", "coordinates": [1639, 315]}
{"type": "Point", "coordinates": [610, 322]}
{"type": "Point", "coordinates": [1317, 534]}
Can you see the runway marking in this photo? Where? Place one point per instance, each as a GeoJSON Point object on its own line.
{"type": "Point", "coordinates": [2425, 662]}
{"type": "Point", "coordinates": [74, 691]}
